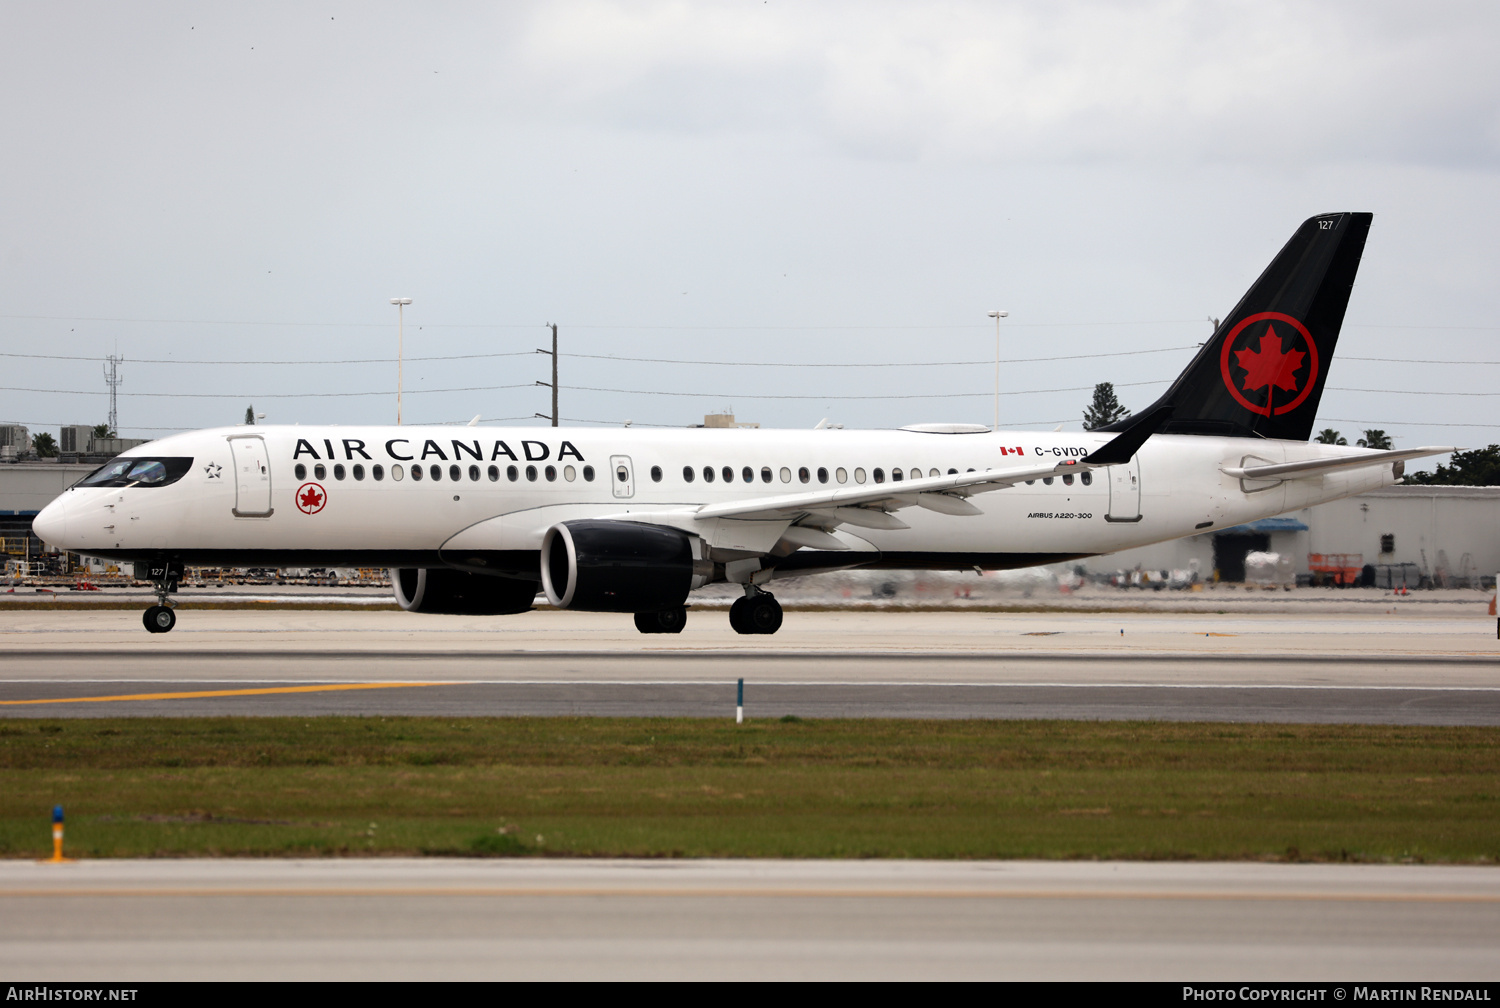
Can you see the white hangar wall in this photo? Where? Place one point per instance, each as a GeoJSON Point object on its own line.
{"type": "Point", "coordinates": [1431, 526]}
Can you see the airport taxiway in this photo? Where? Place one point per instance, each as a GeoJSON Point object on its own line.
{"type": "Point", "coordinates": [442, 919]}
{"type": "Point", "coordinates": [1377, 667]}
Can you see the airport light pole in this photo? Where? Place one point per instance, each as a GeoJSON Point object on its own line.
{"type": "Point", "coordinates": [997, 316]}
{"type": "Point", "coordinates": [400, 304]}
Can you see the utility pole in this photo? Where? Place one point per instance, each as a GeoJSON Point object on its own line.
{"type": "Point", "coordinates": [553, 326]}
{"type": "Point", "coordinates": [112, 379]}
{"type": "Point", "coordinates": [400, 304]}
{"type": "Point", "coordinates": [997, 316]}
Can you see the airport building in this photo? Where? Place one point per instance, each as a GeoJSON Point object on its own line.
{"type": "Point", "coordinates": [1413, 535]}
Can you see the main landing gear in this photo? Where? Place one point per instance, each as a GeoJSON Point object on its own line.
{"type": "Point", "coordinates": [757, 613]}
{"type": "Point", "coordinates": [665, 621]}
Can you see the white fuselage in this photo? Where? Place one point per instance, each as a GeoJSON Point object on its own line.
{"type": "Point", "coordinates": [413, 496]}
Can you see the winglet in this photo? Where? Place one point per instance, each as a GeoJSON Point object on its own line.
{"type": "Point", "coordinates": [1123, 448]}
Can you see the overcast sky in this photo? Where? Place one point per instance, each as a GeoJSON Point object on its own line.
{"type": "Point", "coordinates": [777, 184]}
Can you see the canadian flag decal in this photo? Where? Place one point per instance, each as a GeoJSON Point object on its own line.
{"type": "Point", "coordinates": [1012, 451]}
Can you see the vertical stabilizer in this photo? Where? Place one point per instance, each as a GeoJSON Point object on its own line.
{"type": "Point", "coordinates": [1263, 372]}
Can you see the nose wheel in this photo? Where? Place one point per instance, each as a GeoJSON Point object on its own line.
{"type": "Point", "coordinates": [159, 619]}
{"type": "Point", "coordinates": [759, 613]}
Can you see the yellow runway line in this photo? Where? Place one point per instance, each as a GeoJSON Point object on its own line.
{"type": "Point", "coordinates": [225, 693]}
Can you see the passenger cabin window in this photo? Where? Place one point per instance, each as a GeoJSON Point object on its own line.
{"type": "Point", "coordinates": [1067, 479]}
{"type": "Point", "coordinates": [436, 472]}
{"type": "Point", "coordinates": [917, 473]}
{"type": "Point", "coordinates": [895, 475]}
{"type": "Point", "coordinates": [474, 473]}
{"type": "Point", "coordinates": [859, 475]}
{"type": "Point", "coordinates": [299, 471]}
{"type": "Point", "coordinates": [588, 474]}
{"type": "Point", "coordinates": [655, 473]}
{"type": "Point", "coordinates": [747, 474]}
{"type": "Point", "coordinates": [455, 473]}
{"type": "Point", "coordinates": [416, 472]}
{"type": "Point", "coordinates": [398, 473]}
{"type": "Point", "coordinates": [708, 474]}
{"type": "Point", "coordinates": [803, 475]}
{"type": "Point", "coordinates": [841, 474]}
{"type": "Point", "coordinates": [358, 471]}
{"type": "Point", "coordinates": [1047, 480]}
{"type": "Point", "coordinates": [879, 475]}
{"type": "Point", "coordinates": [531, 474]}
{"type": "Point", "coordinates": [822, 475]}
{"type": "Point", "coordinates": [320, 471]}
{"type": "Point", "coordinates": [494, 474]}
{"type": "Point", "coordinates": [728, 474]}
{"type": "Point", "coordinates": [551, 473]}
{"type": "Point", "coordinates": [786, 475]}
{"type": "Point", "coordinates": [378, 471]}
{"type": "Point", "coordinates": [569, 473]}
{"type": "Point", "coordinates": [1086, 478]}
{"type": "Point", "coordinates": [765, 474]}
{"type": "Point", "coordinates": [512, 473]}
{"type": "Point", "coordinates": [687, 474]}
{"type": "Point", "coordinates": [338, 471]}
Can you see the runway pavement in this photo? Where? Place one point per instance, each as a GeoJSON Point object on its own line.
{"type": "Point", "coordinates": [727, 920]}
{"type": "Point", "coordinates": [1378, 667]}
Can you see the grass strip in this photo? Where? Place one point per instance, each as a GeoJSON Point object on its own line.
{"type": "Point", "coordinates": [681, 787]}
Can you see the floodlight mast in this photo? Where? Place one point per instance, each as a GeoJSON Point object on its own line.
{"type": "Point", "coordinates": [997, 316]}
{"type": "Point", "coordinates": [400, 304]}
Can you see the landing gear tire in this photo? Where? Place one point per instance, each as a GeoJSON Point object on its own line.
{"type": "Point", "coordinates": [665, 621]}
{"type": "Point", "coordinates": [159, 619]}
{"type": "Point", "coordinates": [755, 614]}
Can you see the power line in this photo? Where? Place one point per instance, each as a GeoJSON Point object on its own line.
{"type": "Point", "coordinates": [265, 395]}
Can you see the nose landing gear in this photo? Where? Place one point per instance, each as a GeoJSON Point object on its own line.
{"type": "Point", "coordinates": [160, 618]}
{"type": "Point", "coordinates": [757, 612]}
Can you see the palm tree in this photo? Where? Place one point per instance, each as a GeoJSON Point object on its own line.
{"type": "Point", "coordinates": [1330, 436]}
{"type": "Point", "coordinates": [1375, 439]}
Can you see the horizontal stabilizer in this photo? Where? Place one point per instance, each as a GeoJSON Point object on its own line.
{"type": "Point", "coordinates": [1317, 467]}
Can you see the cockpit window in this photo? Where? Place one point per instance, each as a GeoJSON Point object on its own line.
{"type": "Point", "coordinates": [151, 472]}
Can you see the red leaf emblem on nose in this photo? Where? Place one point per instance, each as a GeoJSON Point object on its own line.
{"type": "Point", "coordinates": [311, 498]}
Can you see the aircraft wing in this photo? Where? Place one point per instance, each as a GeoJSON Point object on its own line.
{"type": "Point", "coordinates": [869, 506]}
{"type": "Point", "coordinates": [938, 493]}
{"type": "Point", "coordinates": [1317, 467]}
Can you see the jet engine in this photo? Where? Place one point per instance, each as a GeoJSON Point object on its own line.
{"type": "Point", "coordinates": [460, 593]}
{"type": "Point", "coordinates": [621, 566]}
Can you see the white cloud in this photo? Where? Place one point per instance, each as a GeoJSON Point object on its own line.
{"type": "Point", "coordinates": [1277, 82]}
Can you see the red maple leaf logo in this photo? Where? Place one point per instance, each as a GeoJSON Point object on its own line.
{"type": "Point", "coordinates": [311, 500]}
{"type": "Point", "coordinates": [1271, 365]}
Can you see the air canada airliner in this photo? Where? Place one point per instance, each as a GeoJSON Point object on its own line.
{"type": "Point", "coordinates": [477, 520]}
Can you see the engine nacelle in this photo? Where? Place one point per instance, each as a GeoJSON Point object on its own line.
{"type": "Point", "coordinates": [621, 566]}
{"type": "Point", "coordinates": [460, 593]}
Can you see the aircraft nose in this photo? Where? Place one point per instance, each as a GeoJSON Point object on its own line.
{"type": "Point", "coordinates": [51, 524]}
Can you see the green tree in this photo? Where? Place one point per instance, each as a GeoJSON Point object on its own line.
{"type": "Point", "coordinates": [1375, 439]}
{"type": "Point", "coordinates": [45, 445]}
{"type": "Point", "coordinates": [103, 432]}
{"type": "Point", "coordinates": [250, 415]}
{"type": "Point", "coordinates": [1480, 467]}
{"type": "Point", "coordinates": [1330, 436]}
{"type": "Point", "coordinates": [1105, 409]}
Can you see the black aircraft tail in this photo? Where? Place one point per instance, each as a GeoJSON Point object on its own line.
{"type": "Point", "coordinates": [1263, 372]}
